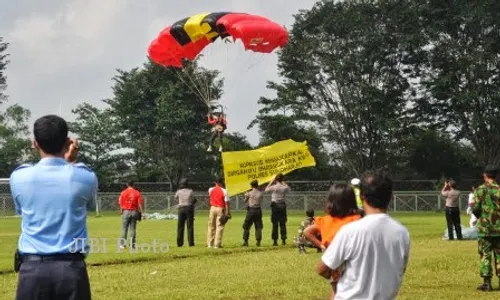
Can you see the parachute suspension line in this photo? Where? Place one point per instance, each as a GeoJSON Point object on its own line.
{"type": "Point", "coordinates": [195, 90]}
{"type": "Point", "coordinates": [256, 62]}
{"type": "Point", "coordinates": [202, 82]}
{"type": "Point", "coordinates": [203, 96]}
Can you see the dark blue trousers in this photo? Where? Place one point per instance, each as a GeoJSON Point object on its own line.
{"type": "Point", "coordinates": [53, 280]}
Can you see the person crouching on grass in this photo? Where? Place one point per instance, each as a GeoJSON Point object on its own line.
{"type": "Point", "coordinates": [341, 209]}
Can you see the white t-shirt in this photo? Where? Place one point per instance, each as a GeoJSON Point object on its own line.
{"type": "Point", "coordinates": [471, 198]}
{"type": "Point", "coordinates": [374, 252]}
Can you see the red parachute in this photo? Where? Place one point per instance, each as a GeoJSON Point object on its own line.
{"type": "Point", "coordinates": [186, 38]}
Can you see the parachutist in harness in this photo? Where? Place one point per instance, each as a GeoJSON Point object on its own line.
{"type": "Point", "coordinates": [219, 125]}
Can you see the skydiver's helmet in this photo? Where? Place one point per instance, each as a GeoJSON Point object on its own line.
{"type": "Point", "coordinates": [355, 182]}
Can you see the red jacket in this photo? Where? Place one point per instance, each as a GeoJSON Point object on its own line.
{"type": "Point", "coordinates": [213, 121]}
{"type": "Point", "coordinates": [218, 196]}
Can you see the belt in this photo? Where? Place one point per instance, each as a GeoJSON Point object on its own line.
{"type": "Point", "coordinates": [55, 257]}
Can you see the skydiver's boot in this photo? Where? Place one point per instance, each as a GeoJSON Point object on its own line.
{"type": "Point", "coordinates": [275, 243]}
{"type": "Point", "coordinates": [258, 243]}
{"type": "Point", "coordinates": [245, 243]}
{"type": "Point", "coordinates": [486, 286]}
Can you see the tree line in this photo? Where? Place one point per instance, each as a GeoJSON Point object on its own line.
{"type": "Point", "coordinates": [411, 86]}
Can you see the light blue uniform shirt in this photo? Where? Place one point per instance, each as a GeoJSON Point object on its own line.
{"type": "Point", "coordinates": [53, 197]}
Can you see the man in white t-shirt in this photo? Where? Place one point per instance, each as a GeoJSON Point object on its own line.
{"type": "Point", "coordinates": [374, 250]}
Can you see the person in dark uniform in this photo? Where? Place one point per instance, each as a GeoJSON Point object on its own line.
{"type": "Point", "coordinates": [53, 198]}
{"type": "Point", "coordinates": [279, 191]}
{"type": "Point", "coordinates": [253, 199]}
{"type": "Point", "coordinates": [452, 209]}
{"type": "Point", "coordinates": [186, 201]}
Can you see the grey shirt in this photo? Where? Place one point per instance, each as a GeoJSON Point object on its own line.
{"type": "Point", "coordinates": [184, 197]}
{"type": "Point", "coordinates": [253, 198]}
{"type": "Point", "coordinates": [279, 191]}
{"type": "Point", "coordinates": [452, 197]}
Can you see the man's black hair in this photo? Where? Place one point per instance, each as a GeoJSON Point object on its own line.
{"type": "Point", "coordinates": [376, 189]}
{"type": "Point", "coordinates": [183, 183]}
{"type": "Point", "coordinates": [491, 172]}
{"type": "Point", "coordinates": [51, 134]}
{"type": "Point", "coordinates": [254, 183]}
{"type": "Point", "coordinates": [219, 180]}
{"type": "Point", "coordinates": [310, 213]}
{"type": "Point", "coordinates": [341, 201]}
{"type": "Point", "coordinates": [453, 184]}
{"type": "Point", "coordinates": [130, 183]}
{"type": "Point", "coordinates": [279, 177]}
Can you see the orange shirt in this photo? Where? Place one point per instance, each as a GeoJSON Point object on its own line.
{"type": "Point", "coordinates": [130, 199]}
{"type": "Point", "coordinates": [329, 226]}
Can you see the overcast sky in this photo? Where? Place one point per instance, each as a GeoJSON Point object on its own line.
{"type": "Point", "coordinates": [64, 52]}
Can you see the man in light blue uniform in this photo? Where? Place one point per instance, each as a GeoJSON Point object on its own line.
{"type": "Point", "coordinates": [52, 197]}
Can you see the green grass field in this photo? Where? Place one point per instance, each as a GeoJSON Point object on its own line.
{"type": "Point", "coordinates": [438, 269]}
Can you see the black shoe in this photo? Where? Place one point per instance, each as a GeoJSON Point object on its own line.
{"type": "Point", "coordinates": [258, 243]}
{"type": "Point", "coordinates": [245, 244]}
{"type": "Point", "coordinates": [486, 286]}
{"type": "Point", "coordinates": [283, 242]}
{"type": "Point", "coordinates": [275, 243]}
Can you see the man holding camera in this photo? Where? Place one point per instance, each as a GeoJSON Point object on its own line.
{"type": "Point", "coordinates": [452, 210]}
{"type": "Point", "coordinates": [53, 197]}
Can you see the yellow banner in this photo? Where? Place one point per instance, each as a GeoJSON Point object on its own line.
{"type": "Point", "coordinates": [241, 167]}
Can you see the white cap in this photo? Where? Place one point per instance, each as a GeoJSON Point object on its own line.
{"type": "Point", "coordinates": [355, 181]}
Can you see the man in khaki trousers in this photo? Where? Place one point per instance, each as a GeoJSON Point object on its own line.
{"type": "Point", "coordinates": [219, 206]}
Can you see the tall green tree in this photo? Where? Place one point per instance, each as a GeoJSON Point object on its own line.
{"type": "Point", "coordinates": [462, 75]}
{"type": "Point", "coordinates": [344, 72]}
{"type": "Point", "coordinates": [433, 154]}
{"type": "Point", "coordinates": [3, 64]}
{"type": "Point", "coordinates": [15, 145]}
{"type": "Point", "coordinates": [102, 143]}
{"type": "Point", "coordinates": [164, 118]}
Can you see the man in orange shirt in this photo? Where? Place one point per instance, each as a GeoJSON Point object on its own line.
{"type": "Point", "coordinates": [131, 209]}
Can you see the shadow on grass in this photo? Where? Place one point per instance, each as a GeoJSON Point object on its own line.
{"type": "Point", "coordinates": [216, 252]}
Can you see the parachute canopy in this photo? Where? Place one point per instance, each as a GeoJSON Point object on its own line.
{"type": "Point", "coordinates": [186, 38]}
